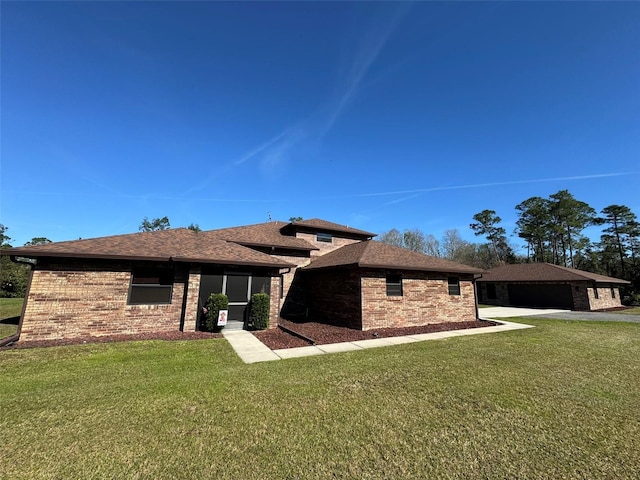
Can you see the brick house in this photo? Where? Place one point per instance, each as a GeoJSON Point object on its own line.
{"type": "Point", "coordinates": [544, 285]}
{"type": "Point", "coordinates": [159, 281]}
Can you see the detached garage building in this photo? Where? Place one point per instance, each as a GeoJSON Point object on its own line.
{"type": "Point", "coordinates": [544, 285]}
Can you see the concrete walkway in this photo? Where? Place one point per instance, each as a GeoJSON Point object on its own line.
{"type": "Point", "coordinates": [248, 347]}
{"type": "Point", "coordinates": [503, 312]}
{"type": "Point", "coordinates": [252, 350]}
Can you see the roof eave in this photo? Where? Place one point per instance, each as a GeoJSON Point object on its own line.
{"type": "Point", "coordinates": [469, 271]}
{"type": "Point", "coordinates": [391, 267]}
{"type": "Point", "coordinates": [95, 256]}
{"type": "Point", "coordinates": [99, 256]}
{"type": "Point", "coordinates": [233, 262]}
{"type": "Point", "coordinates": [587, 280]}
{"type": "Point", "coordinates": [271, 245]}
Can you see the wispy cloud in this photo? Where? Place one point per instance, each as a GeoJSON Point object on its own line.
{"type": "Point", "coordinates": [304, 136]}
{"type": "Point", "coordinates": [406, 194]}
{"type": "Point", "coordinates": [494, 184]}
{"type": "Point", "coordinates": [411, 194]}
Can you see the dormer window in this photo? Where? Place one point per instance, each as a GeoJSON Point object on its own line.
{"type": "Point", "coordinates": [324, 237]}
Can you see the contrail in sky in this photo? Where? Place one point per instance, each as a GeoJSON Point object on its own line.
{"type": "Point", "coordinates": [492, 184]}
{"type": "Point", "coordinates": [410, 193]}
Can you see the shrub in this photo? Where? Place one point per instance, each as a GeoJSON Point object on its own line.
{"type": "Point", "coordinates": [259, 311]}
{"type": "Point", "coordinates": [14, 278]}
{"type": "Point", "coordinates": [631, 300]}
{"type": "Point", "coordinates": [215, 303]}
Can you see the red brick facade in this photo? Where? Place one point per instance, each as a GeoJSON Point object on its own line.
{"type": "Point", "coordinates": [357, 298]}
{"type": "Point", "coordinates": [76, 299]}
{"type": "Point", "coordinates": [425, 299]}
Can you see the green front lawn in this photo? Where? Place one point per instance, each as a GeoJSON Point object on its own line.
{"type": "Point", "coordinates": [10, 310]}
{"type": "Point", "coordinates": [557, 401]}
{"type": "Point", "coordinates": [628, 311]}
{"type": "Point", "coordinates": [10, 307]}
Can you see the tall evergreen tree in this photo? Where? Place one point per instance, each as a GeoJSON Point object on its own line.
{"type": "Point", "coordinates": [488, 224]}
{"type": "Point", "coordinates": [533, 226]}
{"type": "Point", "coordinates": [570, 217]}
{"type": "Point", "coordinates": [622, 222]}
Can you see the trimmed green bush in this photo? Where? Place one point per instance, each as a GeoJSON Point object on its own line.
{"type": "Point", "coordinates": [259, 311]}
{"type": "Point", "coordinates": [215, 303]}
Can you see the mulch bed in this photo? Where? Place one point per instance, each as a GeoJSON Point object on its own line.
{"type": "Point", "coordinates": [115, 338]}
{"type": "Point", "coordinates": [322, 334]}
{"type": "Point", "coordinates": [318, 333]}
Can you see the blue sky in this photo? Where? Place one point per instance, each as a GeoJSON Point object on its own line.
{"type": "Point", "coordinates": [375, 115]}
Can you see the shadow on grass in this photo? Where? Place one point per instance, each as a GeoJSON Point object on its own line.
{"type": "Point", "coordinates": [10, 321]}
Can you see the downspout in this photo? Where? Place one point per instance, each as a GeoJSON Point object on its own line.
{"type": "Point", "coordinates": [281, 293]}
{"type": "Point", "coordinates": [32, 263]}
{"type": "Point", "coordinates": [475, 294]}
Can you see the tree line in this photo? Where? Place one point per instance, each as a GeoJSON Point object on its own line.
{"type": "Point", "coordinates": [14, 276]}
{"type": "Point", "coordinates": [552, 230]}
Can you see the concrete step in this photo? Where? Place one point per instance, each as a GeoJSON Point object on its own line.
{"type": "Point", "coordinates": [233, 325]}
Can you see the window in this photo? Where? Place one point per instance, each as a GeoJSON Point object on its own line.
{"type": "Point", "coordinates": [595, 292]}
{"type": "Point", "coordinates": [613, 292]}
{"type": "Point", "coordinates": [151, 286]}
{"type": "Point", "coordinates": [324, 237]}
{"type": "Point", "coordinates": [454, 285]}
{"type": "Point", "coordinates": [491, 291]}
{"type": "Point", "coordinates": [394, 285]}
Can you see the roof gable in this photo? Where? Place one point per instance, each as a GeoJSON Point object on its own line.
{"type": "Point", "coordinates": [323, 225]}
{"type": "Point", "coordinates": [544, 272]}
{"type": "Point", "coordinates": [373, 254]}
{"type": "Point", "coordinates": [268, 234]}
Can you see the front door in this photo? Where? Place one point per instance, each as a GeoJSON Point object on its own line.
{"type": "Point", "coordinates": [237, 287]}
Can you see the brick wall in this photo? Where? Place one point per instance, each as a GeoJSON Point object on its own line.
{"type": "Point", "coordinates": [357, 298]}
{"type": "Point", "coordinates": [90, 299]}
{"type": "Point", "coordinates": [325, 247]}
{"type": "Point", "coordinates": [606, 299]}
{"type": "Point", "coordinates": [299, 261]}
{"type": "Point", "coordinates": [425, 300]}
{"type": "Point", "coordinates": [333, 296]}
{"type": "Point", "coordinates": [274, 303]}
{"type": "Point", "coordinates": [193, 292]}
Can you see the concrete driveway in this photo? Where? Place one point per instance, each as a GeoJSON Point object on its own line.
{"type": "Point", "coordinates": [501, 312]}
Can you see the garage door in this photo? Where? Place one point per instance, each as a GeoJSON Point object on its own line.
{"type": "Point", "coordinates": [541, 296]}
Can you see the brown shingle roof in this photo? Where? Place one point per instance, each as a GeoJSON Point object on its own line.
{"type": "Point", "coordinates": [374, 254]}
{"type": "Point", "coordinates": [317, 223]}
{"type": "Point", "coordinates": [262, 235]}
{"type": "Point", "coordinates": [178, 244]}
{"type": "Point", "coordinates": [543, 272]}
